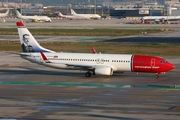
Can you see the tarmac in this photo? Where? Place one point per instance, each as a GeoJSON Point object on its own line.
{"type": "Point", "coordinates": [31, 91]}
{"type": "Point", "coordinates": [90, 24]}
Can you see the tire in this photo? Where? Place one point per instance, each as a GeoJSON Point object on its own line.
{"type": "Point", "coordinates": [88, 74]}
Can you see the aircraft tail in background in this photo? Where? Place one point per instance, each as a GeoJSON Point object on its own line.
{"type": "Point", "coordinates": [60, 14]}
{"type": "Point", "coordinates": [73, 12]}
{"type": "Point", "coordinates": [19, 15]}
{"type": "Point", "coordinates": [7, 12]}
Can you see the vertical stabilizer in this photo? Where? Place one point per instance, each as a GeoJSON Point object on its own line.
{"type": "Point", "coordinates": [7, 12]}
{"type": "Point", "coordinates": [60, 14]}
{"type": "Point", "coordinates": [73, 12]}
{"type": "Point", "coordinates": [18, 14]}
{"type": "Point", "coordinates": [28, 42]}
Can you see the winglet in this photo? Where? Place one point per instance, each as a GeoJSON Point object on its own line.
{"type": "Point", "coordinates": [94, 50]}
{"type": "Point", "coordinates": [44, 57]}
{"type": "Point", "coordinates": [20, 24]}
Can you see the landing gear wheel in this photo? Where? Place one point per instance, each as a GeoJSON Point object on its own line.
{"type": "Point", "coordinates": [88, 74]}
{"type": "Point", "coordinates": [93, 72]}
{"type": "Point", "coordinates": [157, 76]}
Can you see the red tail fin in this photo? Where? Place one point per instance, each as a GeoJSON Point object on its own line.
{"type": "Point", "coordinates": [60, 14]}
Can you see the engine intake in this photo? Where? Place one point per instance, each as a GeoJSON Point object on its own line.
{"type": "Point", "coordinates": [104, 70]}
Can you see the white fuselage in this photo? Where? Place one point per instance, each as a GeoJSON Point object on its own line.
{"type": "Point", "coordinates": [38, 18]}
{"type": "Point", "coordinates": [170, 18]}
{"type": "Point", "coordinates": [118, 62]}
{"type": "Point", "coordinates": [72, 17]}
{"type": "Point", "coordinates": [90, 16]}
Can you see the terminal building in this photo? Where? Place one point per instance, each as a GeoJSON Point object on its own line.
{"type": "Point", "coordinates": [136, 12]}
{"type": "Point", "coordinates": [147, 9]}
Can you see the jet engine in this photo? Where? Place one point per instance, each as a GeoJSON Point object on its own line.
{"type": "Point", "coordinates": [104, 70]}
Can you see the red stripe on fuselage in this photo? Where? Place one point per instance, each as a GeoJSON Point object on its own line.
{"type": "Point", "coordinates": [142, 63]}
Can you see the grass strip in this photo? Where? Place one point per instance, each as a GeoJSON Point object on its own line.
{"type": "Point", "coordinates": [81, 32]}
{"type": "Point", "coordinates": [158, 49]}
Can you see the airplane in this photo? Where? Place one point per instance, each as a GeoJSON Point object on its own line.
{"type": "Point", "coordinates": [159, 18]}
{"type": "Point", "coordinates": [33, 18]}
{"type": "Point", "coordinates": [91, 16]}
{"type": "Point", "coordinates": [3, 15]}
{"type": "Point", "coordinates": [96, 64]}
{"type": "Point", "coordinates": [72, 17]}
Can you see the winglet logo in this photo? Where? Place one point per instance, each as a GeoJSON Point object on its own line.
{"type": "Point", "coordinates": [25, 45]}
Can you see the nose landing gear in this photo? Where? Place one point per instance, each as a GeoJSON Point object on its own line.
{"type": "Point", "coordinates": [157, 76]}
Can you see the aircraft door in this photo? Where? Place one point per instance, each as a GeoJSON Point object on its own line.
{"type": "Point", "coordinates": [153, 63]}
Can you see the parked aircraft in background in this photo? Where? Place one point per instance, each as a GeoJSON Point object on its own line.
{"type": "Point", "coordinates": [72, 17]}
{"type": "Point", "coordinates": [96, 64]}
{"type": "Point", "coordinates": [33, 18]}
{"type": "Point", "coordinates": [157, 19]}
{"type": "Point", "coordinates": [3, 15]}
{"type": "Point", "coordinates": [90, 16]}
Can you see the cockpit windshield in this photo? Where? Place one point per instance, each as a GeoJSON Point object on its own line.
{"type": "Point", "coordinates": [163, 61]}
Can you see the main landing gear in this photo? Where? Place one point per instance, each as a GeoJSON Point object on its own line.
{"type": "Point", "coordinates": [88, 74]}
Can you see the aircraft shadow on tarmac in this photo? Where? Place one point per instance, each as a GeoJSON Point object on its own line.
{"type": "Point", "coordinates": [110, 117]}
{"type": "Point", "coordinates": [31, 71]}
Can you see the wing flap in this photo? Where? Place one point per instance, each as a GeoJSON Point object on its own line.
{"type": "Point", "coordinates": [87, 66]}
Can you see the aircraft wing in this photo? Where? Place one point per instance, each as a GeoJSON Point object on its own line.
{"type": "Point", "coordinates": [82, 66]}
{"type": "Point", "coordinates": [85, 66]}
{"type": "Point", "coordinates": [25, 54]}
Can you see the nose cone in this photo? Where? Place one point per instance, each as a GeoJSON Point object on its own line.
{"type": "Point", "coordinates": [171, 66]}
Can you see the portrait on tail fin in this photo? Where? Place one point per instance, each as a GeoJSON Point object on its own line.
{"type": "Point", "coordinates": [25, 46]}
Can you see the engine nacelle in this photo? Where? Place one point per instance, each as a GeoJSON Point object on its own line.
{"type": "Point", "coordinates": [104, 70]}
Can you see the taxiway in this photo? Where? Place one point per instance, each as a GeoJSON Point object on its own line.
{"type": "Point", "coordinates": [31, 91]}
